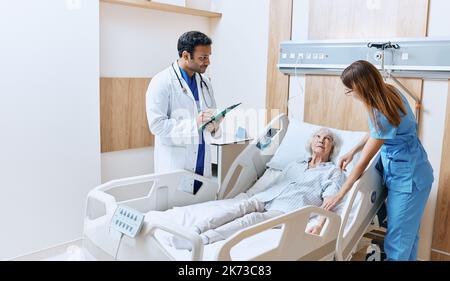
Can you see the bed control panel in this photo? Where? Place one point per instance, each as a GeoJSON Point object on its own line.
{"type": "Point", "coordinates": [127, 221]}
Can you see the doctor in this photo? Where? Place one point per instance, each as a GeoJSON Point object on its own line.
{"type": "Point", "coordinates": [407, 172]}
{"type": "Point", "coordinates": [179, 99]}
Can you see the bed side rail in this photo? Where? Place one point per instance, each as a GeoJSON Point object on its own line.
{"type": "Point", "coordinates": [368, 195]}
{"type": "Point", "coordinates": [251, 163]}
{"type": "Point", "coordinates": [295, 243]}
{"type": "Point", "coordinates": [163, 193]}
{"type": "Point", "coordinates": [183, 232]}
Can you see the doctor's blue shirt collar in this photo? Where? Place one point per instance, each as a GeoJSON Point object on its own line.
{"type": "Point", "coordinates": [186, 77]}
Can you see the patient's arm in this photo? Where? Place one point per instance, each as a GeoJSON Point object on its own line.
{"type": "Point", "coordinates": [370, 149]}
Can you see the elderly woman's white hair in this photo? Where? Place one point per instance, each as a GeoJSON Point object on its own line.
{"type": "Point", "coordinates": [337, 142]}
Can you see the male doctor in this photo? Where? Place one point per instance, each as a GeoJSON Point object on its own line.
{"type": "Point", "coordinates": [179, 100]}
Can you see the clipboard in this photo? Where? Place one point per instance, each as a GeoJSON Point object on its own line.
{"type": "Point", "coordinates": [220, 114]}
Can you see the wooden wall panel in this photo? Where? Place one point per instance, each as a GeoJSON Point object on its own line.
{"type": "Point", "coordinates": [123, 115]}
{"type": "Point", "coordinates": [439, 257]}
{"type": "Point", "coordinates": [329, 106]}
{"type": "Point", "coordinates": [413, 85]}
{"type": "Point", "coordinates": [344, 19]}
{"type": "Point", "coordinates": [441, 233]}
{"type": "Point", "coordinates": [350, 19]}
{"type": "Point", "coordinates": [280, 22]}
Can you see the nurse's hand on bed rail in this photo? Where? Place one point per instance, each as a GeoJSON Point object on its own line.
{"type": "Point", "coordinates": [330, 202]}
{"type": "Point", "coordinates": [345, 160]}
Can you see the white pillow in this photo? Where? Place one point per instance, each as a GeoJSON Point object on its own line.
{"type": "Point", "coordinates": [293, 145]}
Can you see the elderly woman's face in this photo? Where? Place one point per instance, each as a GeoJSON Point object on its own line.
{"type": "Point", "coordinates": [322, 144]}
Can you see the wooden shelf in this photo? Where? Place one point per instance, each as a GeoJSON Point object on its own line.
{"type": "Point", "coordinates": [164, 7]}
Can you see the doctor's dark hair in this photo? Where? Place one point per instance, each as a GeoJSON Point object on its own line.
{"type": "Point", "coordinates": [191, 39]}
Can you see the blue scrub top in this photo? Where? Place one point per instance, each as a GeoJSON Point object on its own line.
{"type": "Point", "coordinates": [200, 166]}
{"type": "Point", "coordinates": [405, 162]}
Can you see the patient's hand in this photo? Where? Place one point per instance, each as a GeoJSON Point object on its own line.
{"type": "Point", "coordinates": [315, 230]}
{"type": "Point", "coordinates": [318, 227]}
{"type": "Point", "coordinates": [330, 202]}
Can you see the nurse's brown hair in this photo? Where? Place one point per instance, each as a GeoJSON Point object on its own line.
{"type": "Point", "coordinates": [366, 81]}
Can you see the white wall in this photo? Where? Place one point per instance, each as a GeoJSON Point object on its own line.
{"type": "Point", "coordinates": [49, 115]}
{"type": "Point", "coordinates": [239, 60]}
{"type": "Point", "coordinates": [136, 42]}
{"type": "Point", "coordinates": [435, 95]}
{"type": "Point", "coordinates": [127, 163]}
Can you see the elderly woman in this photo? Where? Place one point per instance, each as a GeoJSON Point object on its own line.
{"type": "Point", "coordinates": [304, 182]}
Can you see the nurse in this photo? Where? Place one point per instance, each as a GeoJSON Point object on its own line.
{"type": "Point", "coordinates": [179, 100]}
{"type": "Point", "coordinates": [407, 172]}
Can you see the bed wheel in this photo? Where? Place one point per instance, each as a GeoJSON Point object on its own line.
{"type": "Point", "coordinates": [374, 253]}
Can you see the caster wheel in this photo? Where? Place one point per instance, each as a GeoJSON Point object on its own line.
{"type": "Point", "coordinates": [373, 253]}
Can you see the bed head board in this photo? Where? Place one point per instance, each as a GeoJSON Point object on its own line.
{"type": "Point", "coordinates": [326, 104]}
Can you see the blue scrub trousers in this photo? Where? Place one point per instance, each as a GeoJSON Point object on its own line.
{"type": "Point", "coordinates": [404, 213]}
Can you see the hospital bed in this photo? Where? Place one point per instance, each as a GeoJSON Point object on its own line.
{"type": "Point", "coordinates": [280, 238]}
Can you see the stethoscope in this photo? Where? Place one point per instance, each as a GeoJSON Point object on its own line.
{"type": "Point", "coordinates": [202, 82]}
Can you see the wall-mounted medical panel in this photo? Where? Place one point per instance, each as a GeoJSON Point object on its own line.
{"type": "Point", "coordinates": [419, 58]}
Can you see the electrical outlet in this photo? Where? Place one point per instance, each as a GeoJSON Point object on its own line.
{"type": "Point", "coordinates": [378, 56]}
{"type": "Point", "coordinates": [127, 221]}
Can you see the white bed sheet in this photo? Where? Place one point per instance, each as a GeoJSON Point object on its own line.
{"type": "Point", "coordinates": [190, 215]}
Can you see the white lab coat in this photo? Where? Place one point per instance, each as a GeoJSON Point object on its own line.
{"type": "Point", "coordinates": [172, 115]}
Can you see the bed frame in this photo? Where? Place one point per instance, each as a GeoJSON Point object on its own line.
{"type": "Point", "coordinates": [160, 192]}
